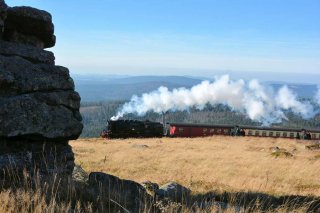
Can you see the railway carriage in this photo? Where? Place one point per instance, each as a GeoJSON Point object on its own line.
{"type": "Point", "coordinates": [280, 132]}
{"type": "Point", "coordinates": [198, 130]}
{"type": "Point", "coordinates": [201, 130]}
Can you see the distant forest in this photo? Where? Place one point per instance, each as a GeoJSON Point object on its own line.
{"type": "Point", "coordinates": [96, 114]}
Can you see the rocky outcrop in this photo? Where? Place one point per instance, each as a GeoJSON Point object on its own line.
{"type": "Point", "coordinates": [23, 154]}
{"type": "Point", "coordinates": [39, 109]}
{"type": "Point", "coordinates": [127, 194]}
{"type": "Point", "coordinates": [174, 191]}
{"type": "Point", "coordinates": [3, 9]}
{"type": "Point", "coordinates": [30, 26]}
{"type": "Point", "coordinates": [30, 53]}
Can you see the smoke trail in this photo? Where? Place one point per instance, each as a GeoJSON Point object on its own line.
{"type": "Point", "coordinates": [288, 100]}
{"type": "Point", "coordinates": [258, 102]}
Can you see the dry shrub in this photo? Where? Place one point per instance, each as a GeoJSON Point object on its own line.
{"type": "Point", "coordinates": [313, 147]}
{"type": "Point", "coordinates": [281, 154]}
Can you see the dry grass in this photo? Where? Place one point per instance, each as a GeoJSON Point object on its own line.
{"type": "Point", "coordinates": [240, 166]}
{"type": "Point", "coordinates": [33, 194]}
{"type": "Point", "coordinates": [207, 164]}
{"type": "Point", "coordinates": [29, 201]}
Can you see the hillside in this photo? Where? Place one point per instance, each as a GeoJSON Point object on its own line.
{"type": "Point", "coordinates": [106, 88]}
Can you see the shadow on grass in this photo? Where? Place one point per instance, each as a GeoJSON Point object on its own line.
{"type": "Point", "coordinates": [251, 201]}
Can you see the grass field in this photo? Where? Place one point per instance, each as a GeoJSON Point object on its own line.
{"type": "Point", "coordinates": [218, 163]}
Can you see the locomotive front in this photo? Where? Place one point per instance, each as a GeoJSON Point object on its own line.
{"type": "Point", "coordinates": [132, 129]}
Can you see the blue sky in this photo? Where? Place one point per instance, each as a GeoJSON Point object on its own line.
{"type": "Point", "coordinates": [185, 37]}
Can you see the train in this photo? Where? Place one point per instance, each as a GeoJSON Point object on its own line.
{"type": "Point", "coordinates": [149, 129]}
{"type": "Point", "coordinates": [132, 129]}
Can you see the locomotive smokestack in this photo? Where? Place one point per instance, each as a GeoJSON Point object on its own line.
{"type": "Point", "coordinates": [164, 123]}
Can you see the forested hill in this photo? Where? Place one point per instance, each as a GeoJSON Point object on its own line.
{"type": "Point", "coordinates": [100, 95]}
{"type": "Point", "coordinates": [122, 88]}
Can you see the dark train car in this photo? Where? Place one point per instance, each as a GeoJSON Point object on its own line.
{"type": "Point", "coordinates": [198, 130]}
{"type": "Point", "coordinates": [132, 129]}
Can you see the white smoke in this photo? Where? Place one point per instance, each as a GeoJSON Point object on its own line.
{"type": "Point", "coordinates": [287, 100]}
{"type": "Point", "coordinates": [258, 102]}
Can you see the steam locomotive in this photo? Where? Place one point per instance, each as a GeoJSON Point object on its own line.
{"type": "Point", "coordinates": [148, 129]}
{"type": "Point", "coordinates": [132, 129]}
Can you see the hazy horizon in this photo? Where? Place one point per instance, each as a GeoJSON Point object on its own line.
{"type": "Point", "coordinates": [293, 78]}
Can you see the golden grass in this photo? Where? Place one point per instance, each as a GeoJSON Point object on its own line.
{"type": "Point", "coordinates": [202, 164]}
{"type": "Point", "coordinates": [207, 164]}
{"type": "Point", "coordinates": [32, 194]}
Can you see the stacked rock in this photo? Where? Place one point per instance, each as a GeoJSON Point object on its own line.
{"type": "Point", "coordinates": [39, 109]}
{"type": "Point", "coordinates": [3, 8]}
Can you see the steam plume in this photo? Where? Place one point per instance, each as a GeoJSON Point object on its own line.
{"type": "Point", "coordinates": [258, 102]}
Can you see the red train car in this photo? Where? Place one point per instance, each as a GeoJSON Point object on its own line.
{"type": "Point", "coordinates": [198, 130]}
{"type": "Point", "coordinates": [202, 130]}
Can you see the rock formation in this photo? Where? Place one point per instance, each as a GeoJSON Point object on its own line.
{"type": "Point", "coordinates": [3, 8]}
{"type": "Point", "coordinates": [39, 109]}
{"type": "Point", "coordinates": [128, 194]}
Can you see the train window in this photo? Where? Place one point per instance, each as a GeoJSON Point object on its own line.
{"type": "Point", "coordinates": [225, 131]}
{"type": "Point", "coordinates": [264, 133]}
{"type": "Point", "coordinates": [250, 132]}
{"type": "Point", "coordinates": [314, 136]}
{"type": "Point", "coordinates": [181, 129]}
{"type": "Point", "coordinates": [205, 130]}
{"type": "Point", "coordinates": [270, 134]}
{"type": "Point", "coordinates": [277, 134]}
{"type": "Point", "coordinates": [257, 133]}
{"type": "Point", "coordinates": [218, 130]}
{"type": "Point", "coordinates": [284, 134]}
{"type": "Point", "coordinates": [291, 135]}
{"type": "Point", "coordinates": [211, 130]}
